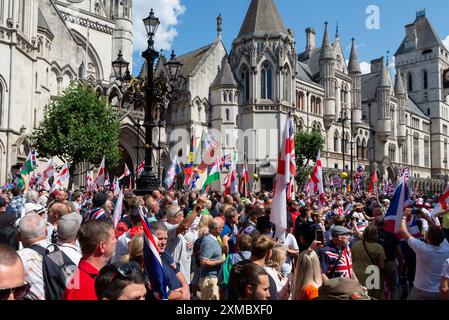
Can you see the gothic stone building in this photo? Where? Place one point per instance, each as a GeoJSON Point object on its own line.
{"type": "Point", "coordinates": [366, 119]}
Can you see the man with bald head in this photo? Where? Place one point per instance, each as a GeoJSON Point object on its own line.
{"type": "Point", "coordinates": [12, 275]}
{"type": "Point", "coordinates": [211, 259]}
{"type": "Point", "coordinates": [33, 236]}
{"type": "Point", "coordinates": [55, 212]}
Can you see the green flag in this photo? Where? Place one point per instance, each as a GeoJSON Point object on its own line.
{"type": "Point", "coordinates": [27, 167]}
{"type": "Point", "coordinates": [214, 175]}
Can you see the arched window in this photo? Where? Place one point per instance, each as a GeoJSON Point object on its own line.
{"type": "Point", "coordinates": [392, 152]}
{"type": "Point", "coordinates": [244, 76]}
{"type": "Point", "coordinates": [336, 144]}
{"type": "Point", "coordinates": [230, 96]}
{"type": "Point", "coordinates": [364, 149]}
{"type": "Point", "coordinates": [416, 150]}
{"type": "Point", "coordinates": [227, 114]}
{"type": "Point", "coordinates": [225, 96]}
{"type": "Point", "coordinates": [425, 80]}
{"type": "Point", "coordinates": [347, 144]}
{"type": "Point", "coordinates": [81, 69]}
{"type": "Point", "coordinates": [426, 152]}
{"type": "Point", "coordinates": [287, 84]}
{"type": "Point", "coordinates": [359, 149]}
{"type": "Point", "coordinates": [318, 106]}
{"type": "Point", "coordinates": [303, 101]}
{"type": "Point", "coordinates": [266, 82]}
{"type": "Point", "coordinates": [410, 82]}
{"type": "Point", "coordinates": [312, 102]}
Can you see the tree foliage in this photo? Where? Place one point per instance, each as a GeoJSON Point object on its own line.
{"type": "Point", "coordinates": [307, 145]}
{"type": "Point", "coordinates": [78, 127]}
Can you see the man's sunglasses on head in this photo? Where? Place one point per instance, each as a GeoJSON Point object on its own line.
{"type": "Point", "coordinates": [19, 292]}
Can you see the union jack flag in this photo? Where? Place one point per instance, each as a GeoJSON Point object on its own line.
{"type": "Point", "coordinates": [344, 265]}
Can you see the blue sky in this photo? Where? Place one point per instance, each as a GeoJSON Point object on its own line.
{"type": "Point", "coordinates": [190, 24]}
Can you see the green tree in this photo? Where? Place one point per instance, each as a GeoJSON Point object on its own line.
{"type": "Point", "coordinates": [307, 145]}
{"type": "Point", "coordinates": [78, 127]}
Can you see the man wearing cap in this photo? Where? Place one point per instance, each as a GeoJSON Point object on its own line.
{"type": "Point", "coordinates": [335, 258]}
{"type": "Point", "coordinates": [59, 265]}
{"type": "Point", "coordinates": [98, 213]}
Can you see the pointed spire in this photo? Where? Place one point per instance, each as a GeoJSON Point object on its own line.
{"type": "Point", "coordinates": [261, 18]}
{"type": "Point", "coordinates": [337, 33]}
{"type": "Point", "coordinates": [384, 81]}
{"type": "Point", "coordinates": [225, 77]}
{"type": "Point", "coordinates": [398, 85]}
{"type": "Point", "coordinates": [326, 49]}
{"type": "Point", "coordinates": [219, 26]}
{"type": "Point", "coordinates": [354, 65]}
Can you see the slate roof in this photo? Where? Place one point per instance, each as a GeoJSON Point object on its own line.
{"type": "Point", "coordinates": [191, 59]}
{"type": "Point", "coordinates": [412, 107]}
{"type": "Point", "coordinates": [42, 23]}
{"type": "Point", "coordinates": [225, 76]}
{"type": "Point", "coordinates": [262, 17]}
{"type": "Point", "coordinates": [426, 35]}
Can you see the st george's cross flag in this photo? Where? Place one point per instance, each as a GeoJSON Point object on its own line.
{"type": "Point", "coordinates": [284, 177]}
{"type": "Point", "coordinates": [101, 176]}
{"type": "Point", "coordinates": [316, 179]}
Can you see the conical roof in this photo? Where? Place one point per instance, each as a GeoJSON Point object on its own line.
{"type": "Point", "coordinates": [354, 65]}
{"type": "Point", "coordinates": [262, 17]}
{"type": "Point", "coordinates": [398, 85]}
{"type": "Point", "coordinates": [225, 76]}
{"type": "Point", "coordinates": [326, 49]}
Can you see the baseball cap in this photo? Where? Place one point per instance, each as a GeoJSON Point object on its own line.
{"type": "Point", "coordinates": [69, 225]}
{"type": "Point", "coordinates": [342, 289]}
{"type": "Point", "coordinates": [340, 231]}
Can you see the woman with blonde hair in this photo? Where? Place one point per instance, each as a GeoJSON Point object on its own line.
{"type": "Point", "coordinates": [135, 251]}
{"type": "Point", "coordinates": [307, 277]}
{"type": "Point", "coordinates": [273, 268]}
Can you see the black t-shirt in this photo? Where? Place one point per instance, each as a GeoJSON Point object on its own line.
{"type": "Point", "coordinates": [302, 228]}
{"type": "Point", "coordinates": [8, 232]}
{"type": "Point", "coordinates": [389, 241]}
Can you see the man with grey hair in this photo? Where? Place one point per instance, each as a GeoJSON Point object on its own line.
{"type": "Point", "coordinates": [33, 236]}
{"type": "Point", "coordinates": [177, 245]}
{"type": "Point", "coordinates": [211, 259]}
{"type": "Point", "coordinates": [59, 265]}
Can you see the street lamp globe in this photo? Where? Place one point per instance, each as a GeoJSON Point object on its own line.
{"type": "Point", "coordinates": [151, 24]}
{"type": "Point", "coordinates": [120, 66]}
{"type": "Point", "coordinates": [173, 67]}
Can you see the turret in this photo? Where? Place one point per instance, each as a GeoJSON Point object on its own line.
{"type": "Point", "coordinates": [401, 95]}
{"type": "Point", "coordinates": [383, 93]}
{"type": "Point", "coordinates": [356, 75]}
{"type": "Point", "coordinates": [122, 38]}
{"type": "Point", "coordinates": [327, 72]}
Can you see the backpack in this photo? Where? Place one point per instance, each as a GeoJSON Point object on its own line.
{"type": "Point", "coordinates": [57, 272]}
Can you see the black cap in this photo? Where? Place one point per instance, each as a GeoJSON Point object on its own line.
{"type": "Point", "coordinates": [99, 199]}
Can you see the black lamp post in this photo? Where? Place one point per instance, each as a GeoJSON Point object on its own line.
{"type": "Point", "coordinates": [148, 181]}
{"type": "Point", "coordinates": [120, 67]}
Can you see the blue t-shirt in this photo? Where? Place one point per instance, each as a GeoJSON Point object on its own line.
{"type": "Point", "coordinates": [232, 240]}
{"type": "Point", "coordinates": [211, 250]}
{"type": "Point", "coordinates": [171, 268]}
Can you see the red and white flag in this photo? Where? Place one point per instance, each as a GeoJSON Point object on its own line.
{"type": "Point", "coordinates": [118, 209]}
{"type": "Point", "coordinates": [101, 176]}
{"type": "Point", "coordinates": [62, 177]}
{"type": "Point", "coordinates": [284, 177]}
{"type": "Point", "coordinates": [443, 203]}
{"type": "Point", "coordinates": [90, 181]}
{"type": "Point", "coordinates": [140, 168]}
{"type": "Point", "coordinates": [125, 173]}
{"type": "Point", "coordinates": [47, 173]}
{"type": "Point", "coordinates": [116, 187]}
{"type": "Point", "coordinates": [316, 185]}
{"type": "Point", "coordinates": [106, 181]}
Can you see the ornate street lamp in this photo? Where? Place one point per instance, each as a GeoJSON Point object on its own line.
{"type": "Point", "coordinates": [120, 67]}
{"type": "Point", "coordinates": [148, 181]}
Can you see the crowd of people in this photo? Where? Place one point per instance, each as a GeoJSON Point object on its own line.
{"type": "Point", "coordinates": [64, 245]}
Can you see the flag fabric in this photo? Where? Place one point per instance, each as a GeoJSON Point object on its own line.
{"type": "Point", "coordinates": [243, 179]}
{"type": "Point", "coordinates": [374, 180]}
{"type": "Point", "coordinates": [118, 209]}
{"type": "Point", "coordinates": [48, 172]}
{"type": "Point", "coordinates": [106, 180]}
{"type": "Point", "coordinates": [188, 171]}
{"type": "Point", "coordinates": [198, 148]}
{"type": "Point", "coordinates": [400, 202]}
{"type": "Point", "coordinates": [230, 182]}
{"type": "Point", "coordinates": [116, 187]}
{"type": "Point", "coordinates": [99, 180]}
{"type": "Point", "coordinates": [284, 177]}
{"type": "Point", "coordinates": [226, 161]}
{"type": "Point", "coordinates": [443, 202]}
{"type": "Point", "coordinates": [62, 177]}
{"type": "Point", "coordinates": [208, 152]}
{"type": "Point", "coordinates": [152, 261]}
{"type": "Point", "coordinates": [316, 179]}
{"type": "Point", "coordinates": [140, 168]}
{"type": "Point", "coordinates": [173, 170]}
{"type": "Point", "coordinates": [214, 175]}
{"type": "Point", "coordinates": [28, 166]}
{"type": "Point", "coordinates": [90, 181]}
{"type": "Point", "coordinates": [358, 177]}
{"type": "Point", "coordinates": [126, 173]}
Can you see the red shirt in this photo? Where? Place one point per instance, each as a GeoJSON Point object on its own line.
{"type": "Point", "coordinates": [82, 283]}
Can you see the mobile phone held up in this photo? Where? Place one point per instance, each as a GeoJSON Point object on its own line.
{"type": "Point", "coordinates": [319, 236]}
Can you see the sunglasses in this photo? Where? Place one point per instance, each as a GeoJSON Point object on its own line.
{"type": "Point", "coordinates": [19, 292]}
{"type": "Point", "coordinates": [125, 270]}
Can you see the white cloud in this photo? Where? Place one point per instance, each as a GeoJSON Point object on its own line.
{"type": "Point", "coordinates": [446, 42]}
{"type": "Point", "coordinates": [168, 12]}
{"type": "Point", "coordinates": [365, 67]}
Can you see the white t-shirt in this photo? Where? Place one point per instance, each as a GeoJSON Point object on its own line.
{"type": "Point", "coordinates": [290, 243]}
{"type": "Point", "coordinates": [177, 248]}
{"type": "Point", "coordinates": [429, 261]}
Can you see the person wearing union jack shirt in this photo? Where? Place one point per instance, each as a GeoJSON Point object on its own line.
{"type": "Point", "coordinates": [335, 258]}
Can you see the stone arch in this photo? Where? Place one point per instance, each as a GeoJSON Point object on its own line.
{"type": "Point", "coordinates": [114, 96]}
{"type": "Point", "coordinates": [93, 55]}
